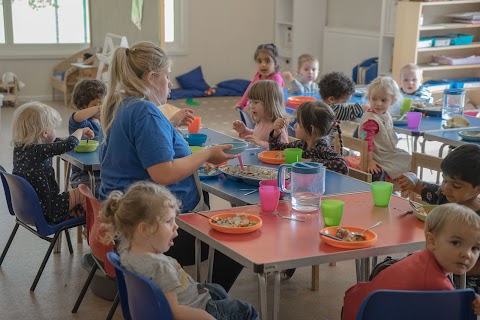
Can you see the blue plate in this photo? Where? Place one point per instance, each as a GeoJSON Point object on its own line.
{"type": "Point", "coordinates": [203, 175]}
{"type": "Point", "coordinates": [470, 135]}
{"type": "Point", "coordinates": [397, 122]}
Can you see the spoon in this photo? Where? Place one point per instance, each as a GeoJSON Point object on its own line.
{"type": "Point", "coordinates": [203, 215]}
{"type": "Point", "coordinates": [374, 226]}
{"type": "Point", "coordinates": [414, 206]}
{"type": "Point", "coordinates": [331, 237]}
{"type": "Point", "coordinates": [240, 160]}
{"type": "Point", "coordinates": [288, 218]}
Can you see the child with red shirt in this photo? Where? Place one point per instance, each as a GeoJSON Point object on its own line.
{"type": "Point", "coordinates": [452, 235]}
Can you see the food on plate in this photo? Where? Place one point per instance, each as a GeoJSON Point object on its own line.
{"type": "Point", "coordinates": [209, 169]}
{"type": "Point", "coordinates": [426, 106]}
{"type": "Point", "coordinates": [457, 121]}
{"type": "Point", "coordinates": [239, 220]}
{"type": "Point", "coordinates": [348, 236]}
{"type": "Point", "coordinates": [251, 171]}
{"type": "Point", "coordinates": [280, 155]}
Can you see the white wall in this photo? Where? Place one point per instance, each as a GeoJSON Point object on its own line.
{"type": "Point", "coordinates": [222, 38]}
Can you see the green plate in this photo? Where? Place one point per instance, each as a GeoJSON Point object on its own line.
{"type": "Point", "coordinates": [91, 146]}
{"type": "Point", "coordinates": [427, 208]}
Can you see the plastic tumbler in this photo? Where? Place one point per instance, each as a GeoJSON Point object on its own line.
{"type": "Point", "coordinates": [266, 183]}
{"type": "Point", "coordinates": [332, 211]}
{"type": "Point", "coordinates": [269, 196]}
{"type": "Point", "coordinates": [382, 191]}
{"type": "Point", "coordinates": [413, 119]}
{"type": "Point", "coordinates": [406, 105]}
{"type": "Point", "coordinates": [293, 155]}
{"type": "Point", "coordinates": [194, 127]}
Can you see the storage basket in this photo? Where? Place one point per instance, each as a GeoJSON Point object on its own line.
{"type": "Point", "coordinates": [461, 83]}
{"type": "Point", "coordinates": [457, 60]}
{"type": "Point", "coordinates": [425, 42]}
{"type": "Point", "coordinates": [458, 39]}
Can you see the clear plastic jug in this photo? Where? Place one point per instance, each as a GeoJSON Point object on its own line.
{"type": "Point", "coordinates": [453, 103]}
{"type": "Point", "coordinates": [307, 184]}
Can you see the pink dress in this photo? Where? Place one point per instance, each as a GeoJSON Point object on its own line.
{"type": "Point", "coordinates": [274, 77]}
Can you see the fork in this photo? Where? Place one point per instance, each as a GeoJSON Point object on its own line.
{"type": "Point", "coordinates": [414, 206]}
{"type": "Point", "coordinates": [288, 218]}
{"type": "Point", "coordinates": [365, 230]}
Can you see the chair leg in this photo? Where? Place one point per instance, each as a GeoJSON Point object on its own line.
{"type": "Point", "coordinates": [114, 307]}
{"type": "Point", "coordinates": [65, 99]}
{"type": "Point", "coordinates": [45, 259]}
{"type": "Point", "coordinates": [9, 242]}
{"type": "Point", "coordinates": [85, 287]}
{"type": "Point", "coordinates": [69, 241]}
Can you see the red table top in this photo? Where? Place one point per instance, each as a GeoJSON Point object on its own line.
{"type": "Point", "coordinates": [282, 243]}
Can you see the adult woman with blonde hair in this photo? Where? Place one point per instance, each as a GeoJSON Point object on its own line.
{"type": "Point", "coordinates": [142, 144]}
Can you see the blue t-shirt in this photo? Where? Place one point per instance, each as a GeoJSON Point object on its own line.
{"type": "Point", "coordinates": [88, 123]}
{"type": "Point", "coordinates": [141, 137]}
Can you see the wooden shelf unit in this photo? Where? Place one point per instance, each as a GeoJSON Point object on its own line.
{"type": "Point", "coordinates": [435, 23]}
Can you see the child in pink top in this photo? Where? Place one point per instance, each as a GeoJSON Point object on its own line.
{"type": "Point", "coordinates": [265, 102]}
{"type": "Point", "coordinates": [267, 60]}
{"type": "Point", "coordinates": [452, 235]}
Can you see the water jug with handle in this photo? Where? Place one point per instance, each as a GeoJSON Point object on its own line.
{"type": "Point", "coordinates": [307, 184]}
{"type": "Point", "coordinates": [453, 103]}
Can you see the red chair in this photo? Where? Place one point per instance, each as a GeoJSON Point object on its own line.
{"type": "Point", "coordinates": [99, 249]}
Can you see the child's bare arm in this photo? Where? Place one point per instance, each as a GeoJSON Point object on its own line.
{"type": "Point", "coordinates": [287, 75]}
{"type": "Point", "coordinates": [372, 165]}
{"type": "Point", "coordinates": [185, 312]}
{"type": "Point", "coordinates": [85, 114]}
{"type": "Point", "coordinates": [278, 126]}
{"type": "Point", "coordinates": [410, 182]}
{"type": "Point", "coordinates": [83, 132]}
{"type": "Point", "coordinates": [476, 305]}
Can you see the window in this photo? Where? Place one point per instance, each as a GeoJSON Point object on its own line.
{"type": "Point", "coordinates": [45, 27]}
{"type": "Point", "coordinates": [175, 32]}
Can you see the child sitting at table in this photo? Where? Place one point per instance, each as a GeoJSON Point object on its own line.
{"type": "Point", "coordinates": [88, 96]}
{"type": "Point", "coordinates": [385, 160]}
{"type": "Point", "coordinates": [35, 144]}
{"type": "Point", "coordinates": [143, 220]}
{"type": "Point", "coordinates": [307, 73]}
{"type": "Point", "coordinates": [461, 184]}
{"type": "Point", "coordinates": [265, 101]}
{"type": "Point", "coordinates": [268, 63]}
{"type": "Point", "coordinates": [411, 78]}
{"type": "Point", "coordinates": [452, 234]}
{"type": "Point", "coordinates": [336, 89]}
{"type": "Point", "coordinates": [315, 120]}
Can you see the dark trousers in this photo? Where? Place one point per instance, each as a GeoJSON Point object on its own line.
{"type": "Point", "coordinates": [225, 270]}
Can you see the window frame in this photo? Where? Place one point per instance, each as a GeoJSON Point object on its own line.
{"type": "Point", "coordinates": [16, 51]}
{"type": "Point", "coordinates": [179, 45]}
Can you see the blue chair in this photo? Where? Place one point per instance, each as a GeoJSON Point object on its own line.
{"type": "Point", "coordinates": [23, 203]}
{"type": "Point", "coordinates": [418, 305]}
{"type": "Point", "coordinates": [245, 117]}
{"type": "Point", "coordinates": [140, 298]}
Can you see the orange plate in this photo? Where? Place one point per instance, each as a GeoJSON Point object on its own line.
{"type": "Point", "coordinates": [235, 230]}
{"type": "Point", "coordinates": [370, 236]}
{"type": "Point", "coordinates": [270, 157]}
{"type": "Point", "coordinates": [300, 99]}
{"type": "Point", "coordinates": [218, 165]}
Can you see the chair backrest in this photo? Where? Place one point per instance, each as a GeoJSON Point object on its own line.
{"type": "Point", "coordinates": [25, 203]}
{"type": "Point", "coordinates": [140, 297]}
{"type": "Point", "coordinates": [245, 117]}
{"type": "Point", "coordinates": [95, 230]}
{"type": "Point", "coordinates": [6, 190]}
{"type": "Point", "coordinates": [420, 162]}
{"type": "Point", "coordinates": [360, 146]}
{"type": "Point", "coordinates": [418, 305]}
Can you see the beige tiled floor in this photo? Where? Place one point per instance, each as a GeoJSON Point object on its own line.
{"type": "Point", "coordinates": [63, 276]}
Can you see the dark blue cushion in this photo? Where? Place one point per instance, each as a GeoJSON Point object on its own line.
{"type": "Point", "coordinates": [238, 85]}
{"type": "Point", "coordinates": [221, 92]}
{"type": "Point", "coordinates": [184, 93]}
{"type": "Point", "coordinates": [193, 80]}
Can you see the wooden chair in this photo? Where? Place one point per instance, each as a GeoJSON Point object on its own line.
{"type": "Point", "coordinates": [64, 75]}
{"type": "Point", "coordinates": [360, 146]}
{"type": "Point", "coordinates": [420, 162]}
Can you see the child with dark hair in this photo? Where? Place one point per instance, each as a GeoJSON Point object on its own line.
{"type": "Point", "coordinates": [461, 184]}
{"type": "Point", "coordinates": [315, 121]}
{"type": "Point", "coordinates": [268, 63]}
{"type": "Point", "coordinates": [88, 96]}
{"type": "Point", "coordinates": [452, 234]}
{"type": "Point", "coordinates": [336, 89]}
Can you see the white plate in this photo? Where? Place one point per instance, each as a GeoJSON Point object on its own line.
{"type": "Point", "coordinates": [470, 135]}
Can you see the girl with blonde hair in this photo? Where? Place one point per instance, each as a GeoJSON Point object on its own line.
{"type": "Point", "coordinates": [142, 144]}
{"type": "Point", "coordinates": [143, 220]}
{"type": "Point", "coordinates": [265, 103]}
{"type": "Point", "coordinates": [35, 144]}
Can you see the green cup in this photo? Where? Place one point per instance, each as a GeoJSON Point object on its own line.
{"type": "Point", "coordinates": [382, 191]}
{"type": "Point", "coordinates": [332, 211]}
{"type": "Point", "coordinates": [406, 105]}
{"type": "Point", "coordinates": [293, 155]}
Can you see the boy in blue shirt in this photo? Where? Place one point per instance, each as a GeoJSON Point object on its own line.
{"type": "Point", "coordinates": [88, 95]}
{"type": "Point", "coordinates": [411, 78]}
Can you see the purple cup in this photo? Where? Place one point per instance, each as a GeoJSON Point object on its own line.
{"type": "Point", "coordinates": [413, 119]}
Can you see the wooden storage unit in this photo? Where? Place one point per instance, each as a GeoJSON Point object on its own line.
{"type": "Point", "coordinates": [409, 30]}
